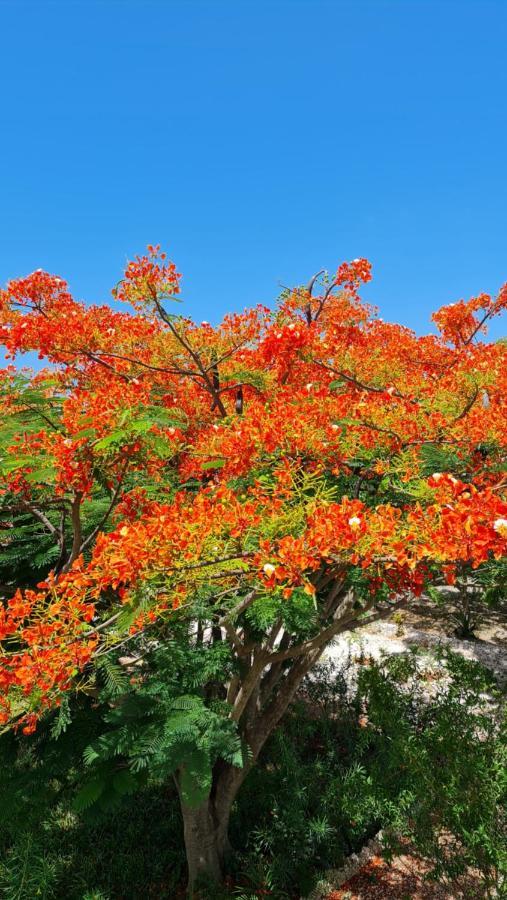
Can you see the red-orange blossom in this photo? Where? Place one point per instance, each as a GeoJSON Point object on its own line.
{"type": "Point", "coordinates": [285, 447]}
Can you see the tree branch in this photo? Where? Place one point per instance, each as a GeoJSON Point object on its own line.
{"type": "Point", "coordinates": [75, 515]}
{"type": "Point", "coordinates": [40, 516]}
{"type": "Point", "coordinates": [195, 356]}
{"type": "Point", "coordinates": [114, 500]}
{"type": "Point", "coordinates": [240, 608]}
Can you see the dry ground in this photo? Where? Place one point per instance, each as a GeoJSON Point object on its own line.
{"type": "Point", "coordinates": [403, 880]}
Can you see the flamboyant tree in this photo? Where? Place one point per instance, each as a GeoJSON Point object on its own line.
{"type": "Point", "coordinates": [237, 494]}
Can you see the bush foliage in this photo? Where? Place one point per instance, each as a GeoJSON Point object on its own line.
{"type": "Point", "coordinates": [419, 759]}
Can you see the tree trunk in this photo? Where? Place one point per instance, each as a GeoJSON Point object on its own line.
{"type": "Point", "coordinates": [259, 701]}
{"type": "Point", "coordinates": [204, 845]}
{"type": "Point", "coordinates": [206, 829]}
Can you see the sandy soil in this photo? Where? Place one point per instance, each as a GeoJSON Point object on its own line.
{"type": "Point", "coordinates": [403, 880]}
{"type": "Point", "coordinates": [424, 624]}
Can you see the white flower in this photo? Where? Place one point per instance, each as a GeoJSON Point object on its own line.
{"type": "Point", "coordinates": [500, 525]}
{"type": "Point", "coordinates": [309, 386]}
{"type": "Point", "coordinates": [436, 476]}
{"type": "Point", "coordinates": [335, 427]}
{"type": "Point", "coordinates": [292, 326]}
{"type": "Point", "coordinates": [268, 569]}
{"type": "Point", "coordinates": [354, 521]}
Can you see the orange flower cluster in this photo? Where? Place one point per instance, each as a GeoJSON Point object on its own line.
{"type": "Point", "coordinates": [148, 278]}
{"type": "Point", "coordinates": [52, 628]}
{"type": "Point", "coordinates": [280, 446]}
{"type": "Point", "coordinates": [459, 322]}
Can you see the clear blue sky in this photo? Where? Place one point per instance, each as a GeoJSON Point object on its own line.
{"type": "Point", "coordinates": [258, 142]}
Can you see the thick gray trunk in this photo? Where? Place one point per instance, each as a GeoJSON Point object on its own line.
{"type": "Point", "coordinates": [204, 844]}
{"type": "Point", "coordinates": [206, 829]}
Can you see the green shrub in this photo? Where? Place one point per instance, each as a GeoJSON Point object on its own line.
{"type": "Point", "coordinates": [338, 769]}
{"type": "Point", "coordinates": [434, 770]}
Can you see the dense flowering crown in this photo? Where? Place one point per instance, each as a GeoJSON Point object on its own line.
{"type": "Point", "coordinates": [274, 451]}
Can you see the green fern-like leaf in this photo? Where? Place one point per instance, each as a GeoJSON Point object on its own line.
{"type": "Point", "coordinates": [89, 793]}
{"type": "Point", "coordinates": [115, 678]}
{"type": "Point", "coordinates": [195, 779]}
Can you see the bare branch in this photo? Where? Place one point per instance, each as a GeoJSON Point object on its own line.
{"type": "Point", "coordinates": [240, 608]}
{"type": "Point", "coordinates": [75, 515]}
{"type": "Point", "coordinates": [323, 300]}
{"type": "Point", "coordinates": [194, 355]}
{"type": "Point", "coordinates": [114, 500]}
{"type": "Point", "coordinates": [39, 515]}
{"type": "Point", "coordinates": [468, 406]}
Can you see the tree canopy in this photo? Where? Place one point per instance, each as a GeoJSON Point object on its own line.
{"type": "Point", "coordinates": [260, 485]}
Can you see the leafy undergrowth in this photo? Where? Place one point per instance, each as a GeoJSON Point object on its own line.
{"type": "Point", "coordinates": [337, 770]}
